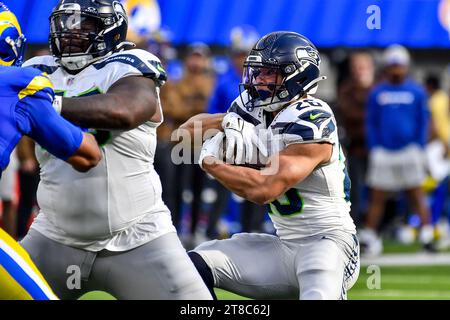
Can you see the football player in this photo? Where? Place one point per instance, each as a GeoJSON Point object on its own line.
{"type": "Point", "coordinates": [315, 253]}
{"type": "Point", "coordinates": [26, 98]}
{"type": "Point", "coordinates": [109, 226]}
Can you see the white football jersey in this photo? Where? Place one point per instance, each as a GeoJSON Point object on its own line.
{"type": "Point", "coordinates": [117, 205]}
{"type": "Point", "coordinates": [320, 203]}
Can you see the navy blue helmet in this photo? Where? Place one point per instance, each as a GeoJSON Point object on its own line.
{"type": "Point", "coordinates": [282, 66]}
{"type": "Point", "coordinates": [85, 31]}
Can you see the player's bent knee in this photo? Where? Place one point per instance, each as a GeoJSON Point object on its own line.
{"type": "Point", "coordinates": [320, 285]}
{"type": "Point", "coordinates": [220, 264]}
{"type": "Point", "coordinates": [202, 268]}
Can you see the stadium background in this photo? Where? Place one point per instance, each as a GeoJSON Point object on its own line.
{"type": "Point", "coordinates": [336, 27]}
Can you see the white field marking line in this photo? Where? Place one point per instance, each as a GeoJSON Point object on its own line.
{"type": "Point", "coordinates": [426, 279]}
{"type": "Point", "coordinates": [400, 293]}
{"type": "Point", "coordinates": [408, 259]}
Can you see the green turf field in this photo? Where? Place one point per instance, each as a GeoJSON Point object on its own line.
{"type": "Point", "coordinates": [414, 282]}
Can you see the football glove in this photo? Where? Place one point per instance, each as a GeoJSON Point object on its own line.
{"type": "Point", "coordinates": [212, 147]}
{"type": "Point", "coordinates": [241, 138]}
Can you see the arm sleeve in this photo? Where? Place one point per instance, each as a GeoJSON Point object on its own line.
{"type": "Point", "coordinates": [37, 119]}
{"type": "Point", "coordinates": [371, 121]}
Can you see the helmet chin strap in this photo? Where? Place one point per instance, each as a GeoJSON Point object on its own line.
{"type": "Point", "coordinates": [309, 86]}
{"type": "Point", "coordinates": [124, 45]}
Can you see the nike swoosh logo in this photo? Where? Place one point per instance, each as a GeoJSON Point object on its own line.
{"type": "Point", "coordinates": [315, 116]}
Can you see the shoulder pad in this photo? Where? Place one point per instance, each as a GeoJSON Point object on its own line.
{"type": "Point", "coordinates": [144, 62]}
{"type": "Point", "coordinates": [306, 122]}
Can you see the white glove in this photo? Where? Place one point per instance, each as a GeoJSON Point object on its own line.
{"type": "Point", "coordinates": [241, 136]}
{"type": "Point", "coordinates": [212, 148]}
{"type": "Point", "coordinates": [57, 104]}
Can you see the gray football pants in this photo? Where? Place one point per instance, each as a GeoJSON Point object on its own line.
{"type": "Point", "coordinates": [160, 269]}
{"type": "Point", "coordinates": [262, 266]}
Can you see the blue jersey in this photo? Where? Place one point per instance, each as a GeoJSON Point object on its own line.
{"type": "Point", "coordinates": [397, 115]}
{"type": "Point", "coordinates": [26, 97]}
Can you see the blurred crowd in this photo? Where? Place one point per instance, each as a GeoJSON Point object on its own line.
{"type": "Point", "coordinates": [396, 134]}
{"type": "Point", "coordinates": [394, 130]}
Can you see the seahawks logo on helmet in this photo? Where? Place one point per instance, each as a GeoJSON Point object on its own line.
{"type": "Point", "coordinates": [305, 54]}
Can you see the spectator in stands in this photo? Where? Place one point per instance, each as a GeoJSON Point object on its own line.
{"type": "Point", "coordinates": [397, 131]}
{"type": "Point", "coordinates": [439, 108]}
{"type": "Point", "coordinates": [227, 86]}
{"type": "Point", "coordinates": [352, 100]}
{"type": "Point", "coordinates": [437, 183]}
{"type": "Point", "coordinates": [191, 94]}
{"type": "Point", "coordinates": [160, 45]}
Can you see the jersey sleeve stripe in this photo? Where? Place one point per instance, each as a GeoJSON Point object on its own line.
{"type": "Point", "coordinates": [37, 84]}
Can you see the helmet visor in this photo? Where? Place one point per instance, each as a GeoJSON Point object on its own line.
{"type": "Point", "coordinates": [74, 34]}
{"type": "Point", "coordinates": [263, 83]}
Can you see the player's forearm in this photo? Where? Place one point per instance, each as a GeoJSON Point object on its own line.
{"type": "Point", "coordinates": [204, 125]}
{"type": "Point", "coordinates": [245, 182]}
{"type": "Point", "coordinates": [106, 111]}
{"type": "Point", "coordinates": [25, 149]}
